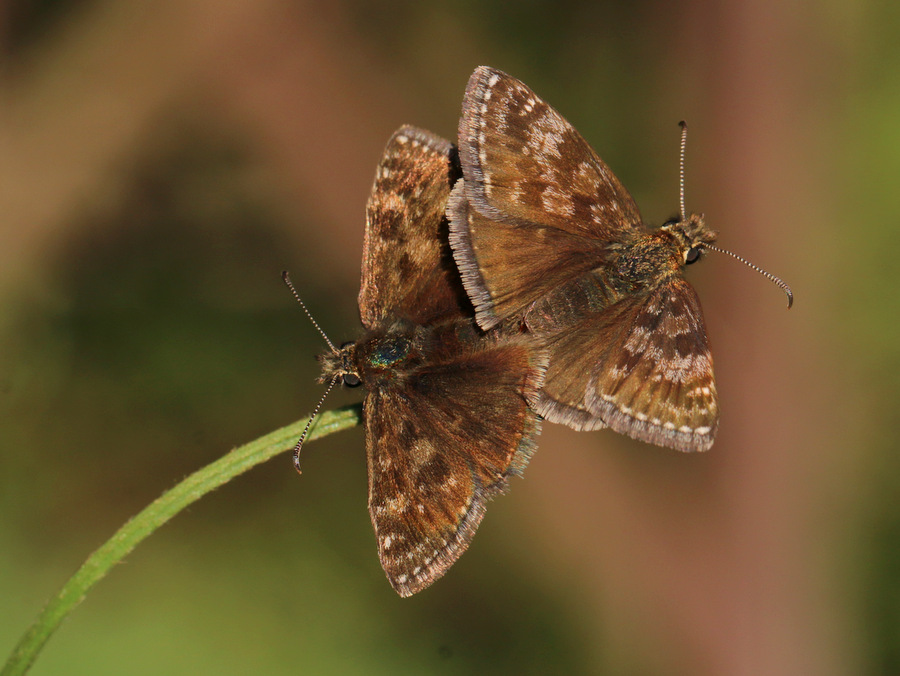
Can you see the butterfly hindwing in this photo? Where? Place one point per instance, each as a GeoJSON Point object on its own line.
{"type": "Point", "coordinates": [657, 383]}
{"type": "Point", "coordinates": [443, 438]}
{"type": "Point", "coordinates": [572, 321]}
{"type": "Point", "coordinates": [642, 366]}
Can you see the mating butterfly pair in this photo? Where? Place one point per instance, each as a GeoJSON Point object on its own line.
{"type": "Point", "coordinates": [507, 283]}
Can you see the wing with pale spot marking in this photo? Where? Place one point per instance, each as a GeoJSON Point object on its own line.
{"type": "Point", "coordinates": [441, 440]}
{"type": "Point", "coordinates": [407, 266]}
{"type": "Point", "coordinates": [534, 191]}
{"type": "Point", "coordinates": [642, 367]}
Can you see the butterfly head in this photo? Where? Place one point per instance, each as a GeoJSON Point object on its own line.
{"type": "Point", "coordinates": [341, 364]}
{"type": "Point", "coordinates": [692, 235]}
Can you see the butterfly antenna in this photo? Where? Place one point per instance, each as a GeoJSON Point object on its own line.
{"type": "Point", "coordinates": [309, 424]}
{"type": "Point", "coordinates": [287, 280]}
{"type": "Point", "coordinates": [683, 126]}
{"type": "Point", "coordinates": [770, 276]}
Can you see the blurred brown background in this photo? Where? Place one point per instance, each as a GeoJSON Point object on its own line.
{"type": "Point", "coordinates": [162, 162]}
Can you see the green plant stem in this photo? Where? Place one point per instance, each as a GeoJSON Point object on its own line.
{"type": "Point", "coordinates": [155, 515]}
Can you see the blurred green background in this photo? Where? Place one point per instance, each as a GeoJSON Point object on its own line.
{"type": "Point", "coordinates": [162, 162]}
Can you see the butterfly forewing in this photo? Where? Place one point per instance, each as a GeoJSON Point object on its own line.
{"type": "Point", "coordinates": [534, 190]}
{"type": "Point", "coordinates": [496, 261]}
{"type": "Point", "coordinates": [407, 263]}
{"type": "Point", "coordinates": [525, 164]}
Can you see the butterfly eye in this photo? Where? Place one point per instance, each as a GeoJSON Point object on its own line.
{"type": "Point", "coordinates": [351, 380]}
{"type": "Point", "coordinates": [692, 256]}
{"type": "Point", "coordinates": [344, 346]}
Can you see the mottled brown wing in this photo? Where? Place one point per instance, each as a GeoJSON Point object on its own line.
{"type": "Point", "coordinates": [507, 269]}
{"type": "Point", "coordinates": [408, 268]}
{"type": "Point", "coordinates": [531, 183]}
{"type": "Point", "coordinates": [642, 366]}
{"type": "Point", "coordinates": [572, 320]}
{"type": "Point", "coordinates": [525, 164]}
{"type": "Point", "coordinates": [441, 440]}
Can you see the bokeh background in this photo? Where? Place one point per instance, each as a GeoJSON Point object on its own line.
{"type": "Point", "coordinates": [162, 161]}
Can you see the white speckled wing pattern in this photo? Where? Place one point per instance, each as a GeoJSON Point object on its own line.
{"type": "Point", "coordinates": [657, 383]}
{"type": "Point", "coordinates": [647, 367]}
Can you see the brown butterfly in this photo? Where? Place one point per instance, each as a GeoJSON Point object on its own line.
{"type": "Point", "coordinates": [447, 413]}
{"type": "Point", "coordinates": [547, 238]}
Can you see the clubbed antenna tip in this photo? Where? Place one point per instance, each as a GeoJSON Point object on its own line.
{"type": "Point", "coordinates": [683, 126]}
{"type": "Point", "coordinates": [767, 275]}
{"type": "Point", "coordinates": [309, 423]}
